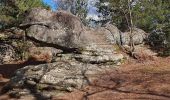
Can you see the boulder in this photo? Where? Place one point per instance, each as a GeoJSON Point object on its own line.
{"type": "Point", "coordinates": [12, 45]}
{"type": "Point", "coordinates": [37, 15]}
{"type": "Point", "coordinates": [113, 34]}
{"type": "Point", "coordinates": [75, 54]}
{"type": "Point", "coordinates": [49, 78]}
{"type": "Point", "coordinates": [65, 31]}
{"type": "Point", "coordinates": [12, 33]}
{"type": "Point", "coordinates": [139, 37]}
{"type": "Point", "coordinates": [7, 53]}
{"type": "Point", "coordinates": [60, 28]}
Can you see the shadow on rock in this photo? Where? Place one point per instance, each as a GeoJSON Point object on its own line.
{"type": "Point", "coordinates": [7, 70]}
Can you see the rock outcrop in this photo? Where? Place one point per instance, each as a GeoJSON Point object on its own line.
{"type": "Point", "coordinates": [43, 54]}
{"type": "Point", "coordinates": [75, 54]}
{"type": "Point", "coordinates": [114, 33]}
{"type": "Point", "coordinates": [139, 36]}
{"type": "Point", "coordinates": [7, 53]}
{"type": "Point", "coordinates": [60, 28]}
{"type": "Point", "coordinates": [54, 78]}
{"type": "Point", "coordinates": [115, 36]}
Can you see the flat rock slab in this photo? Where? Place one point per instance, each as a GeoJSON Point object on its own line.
{"type": "Point", "coordinates": [57, 76]}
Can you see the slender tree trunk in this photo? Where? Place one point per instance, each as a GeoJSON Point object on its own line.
{"type": "Point", "coordinates": [132, 47]}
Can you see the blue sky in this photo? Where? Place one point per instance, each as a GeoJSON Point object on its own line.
{"type": "Point", "coordinates": [92, 11]}
{"type": "Point", "coordinates": [50, 3]}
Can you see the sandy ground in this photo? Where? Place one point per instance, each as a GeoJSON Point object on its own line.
{"type": "Point", "coordinates": [146, 80]}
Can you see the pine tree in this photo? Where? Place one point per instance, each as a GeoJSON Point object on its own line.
{"type": "Point", "coordinates": [76, 7]}
{"type": "Point", "coordinates": [153, 16]}
{"type": "Point", "coordinates": [115, 11]}
{"type": "Point", "coordinates": [11, 10]}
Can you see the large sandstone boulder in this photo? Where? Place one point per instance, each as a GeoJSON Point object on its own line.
{"type": "Point", "coordinates": [77, 54]}
{"type": "Point", "coordinates": [60, 28]}
{"type": "Point", "coordinates": [37, 15]}
{"type": "Point", "coordinates": [53, 78]}
{"type": "Point", "coordinates": [139, 37]}
{"type": "Point", "coordinates": [115, 36]}
{"type": "Point", "coordinates": [65, 31]}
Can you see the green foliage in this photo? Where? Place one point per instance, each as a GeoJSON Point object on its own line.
{"type": "Point", "coordinates": [24, 5]}
{"type": "Point", "coordinates": [80, 10]}
{"type": "Point", "coordinates": [11, 10]}
{"type": "Point", "coordinates": [115, 11]}
{"type": "Point", "coordinates": [147, 14]}
{"type": "Point", "coordinates": [76, 7]}
{"type": "Point", "coordinates": [153, 16]}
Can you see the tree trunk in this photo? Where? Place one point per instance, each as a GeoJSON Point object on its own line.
{"type": "Point", "coordinates": [132, 46]}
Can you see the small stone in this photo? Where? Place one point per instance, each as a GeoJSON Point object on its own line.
{"type": "Point", "coordinates": [118, 64]}
{"type": "Point", "coordinates": [32, 83]}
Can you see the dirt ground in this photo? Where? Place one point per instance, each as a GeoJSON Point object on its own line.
{"type": "Point", "coordinates": [7, 70]}
{"type": "Point", "coordinates": [146, 80]}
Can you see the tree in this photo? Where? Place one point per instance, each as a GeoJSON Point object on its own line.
{"type": "Point", "coordinates": [132, 47]}
{"type": "Point", "coordinates": [8, 10]}
{"type": "Point", "coordinates": [153, 16]}
{"type": "Point", "coordinates": [11, 10]}
{"type": "Point", "coordinates": [147, 14]}
{"type": "Point", "coordinates": [76, 7]}
{"type": "Point", "coordinates": [115, 11]}
{"type": "Point", "coordinates": [120, 13]}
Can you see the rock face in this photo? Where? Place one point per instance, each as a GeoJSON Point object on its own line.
{"type": "Point", "coordinates": [45, 54]}
{"type": "Point", "coordinates": [60, 28]}
{"type": "Point", "coordinates": [138, 37]}
{"type": "Point", "coordinates": [7, 53]}
{"type": "Point", "coordinates": [77, 54]}
{"type": "Point", "coordinates": [12, 45]}
{"type": "Point", "coordinates": [58, 76]}
{"type": "Point", "coordinates": [115, 36]}
{"type": "Point", "coordinates": [114, 33]}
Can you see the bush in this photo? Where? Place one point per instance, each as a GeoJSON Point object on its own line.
{"type": "Point", "coordinates": [159, 41]}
